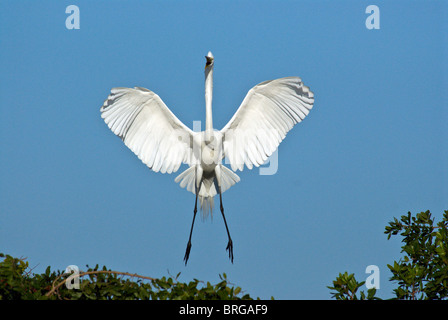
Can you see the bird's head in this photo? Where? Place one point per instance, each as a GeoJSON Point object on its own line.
{"type": "Point", "coordinates": [210, 59]}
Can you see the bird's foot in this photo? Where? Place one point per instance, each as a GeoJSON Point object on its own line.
{"type": "Point", "coordinates": [230, 249]}
{"type": "Point", "coordinates": [187, 252]}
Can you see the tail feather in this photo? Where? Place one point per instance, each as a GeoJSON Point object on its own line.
{"type": "Point", "coordinates": [208, 188]}
{"type": "Point", "coordinates": [187, 179]}
{"type": "Point", "coordinates": [228, 178]}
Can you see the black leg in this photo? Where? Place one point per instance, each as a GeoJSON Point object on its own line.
{"type": "Point", "coordinates": [187, 252]}
{"type": "Point", "coordinates": [230, 243]}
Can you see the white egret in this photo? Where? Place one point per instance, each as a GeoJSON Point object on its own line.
{"type": "Point", "coordinates": [161, 141]}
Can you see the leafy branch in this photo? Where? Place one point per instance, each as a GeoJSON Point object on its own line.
{"type": "Point", "coordinates": [81, 274]}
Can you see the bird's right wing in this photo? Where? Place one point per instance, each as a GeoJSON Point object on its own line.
{"type": "Point", "coordinates": [146, 125]}
{"type": "Point", "coordinates": [267, 113]}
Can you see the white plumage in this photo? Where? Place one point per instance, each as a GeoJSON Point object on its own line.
{"type": "Point", "coordinates": [161, 141]}
{"type": "Point", "coordinates": [146, 125]}
{"type": "Point", "coordinates": [267, 113]}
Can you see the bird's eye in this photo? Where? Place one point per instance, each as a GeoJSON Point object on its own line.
{"type": "Point", "coordinates": [209, 61]}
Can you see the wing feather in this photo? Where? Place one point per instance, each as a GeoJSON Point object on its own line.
{"type": "Point", "coordinates": [267, 113]}
{"type": "Point", "coordinates": [147, 127]}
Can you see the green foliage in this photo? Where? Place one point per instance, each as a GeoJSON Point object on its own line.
{"type": "Point", "coordinates": [422, 273]}
{"type": "Point", "coordinates": [345, 288]}
{"type": "Point", "coordinates": [18, 282]}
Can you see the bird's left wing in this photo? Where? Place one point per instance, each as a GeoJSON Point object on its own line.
{"type": "Point", "coordinates": [146, 125]}
{"type": "Point", "coordinates": [267, 113]}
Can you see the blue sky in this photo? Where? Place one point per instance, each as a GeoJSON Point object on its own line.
{"type": "Point", "coordinates": [373, 147]}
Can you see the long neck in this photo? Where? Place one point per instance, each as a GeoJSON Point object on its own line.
{"type": "Point", "coordinates": [208, 100]}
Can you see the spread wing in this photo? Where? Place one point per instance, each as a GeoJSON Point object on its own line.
{"type": "Point", "coordinates": [147, 127]}
{"type": "Point", "coordinates": [267, 113]}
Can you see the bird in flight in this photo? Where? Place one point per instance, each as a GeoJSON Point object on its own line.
{"type": "Point", "coordinates": [161, 141]}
